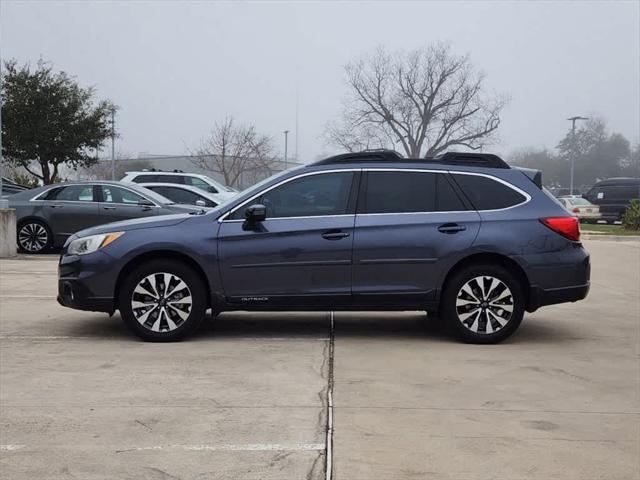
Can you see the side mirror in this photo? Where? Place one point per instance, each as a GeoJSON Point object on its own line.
{"type": "Point", "coordinates": [201, 203]}
{"type": "Point", "coordinates": [212, 189]}
{"type": "Point", "coordinates": [255, 213]}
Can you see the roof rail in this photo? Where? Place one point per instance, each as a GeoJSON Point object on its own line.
{"type": "Point", "coordinates": [363, 156]}
{"type": "Point", "coordinates": [472, 159]}
{"type": "Point", "coordinates": [450, 158]}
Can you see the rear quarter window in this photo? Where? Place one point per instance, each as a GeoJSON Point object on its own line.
{"type": "Point", "coordinates": [146, 179]}
{"type": "Point", "coordinates": [488, 194]}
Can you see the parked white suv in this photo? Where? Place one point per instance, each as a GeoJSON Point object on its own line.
{"type": "Point", "coordinates": [202, 182]}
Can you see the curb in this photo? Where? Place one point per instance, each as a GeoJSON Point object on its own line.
{"type": "Point", "coordinates": [611, 238]}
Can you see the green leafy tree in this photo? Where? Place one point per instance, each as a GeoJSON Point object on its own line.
{"type": "Point", "coordinates": [48, 120]}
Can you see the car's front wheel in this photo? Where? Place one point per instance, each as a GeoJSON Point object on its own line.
{"type": "Point", "coordinates": [162, 301]}
{"type": "Point", "coordinates": [34, 237]}
{"type": "Point", "coordinates": [483, 303]}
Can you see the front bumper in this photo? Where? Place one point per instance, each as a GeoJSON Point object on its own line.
{"type": "Point", "coordinates": [87, 282]}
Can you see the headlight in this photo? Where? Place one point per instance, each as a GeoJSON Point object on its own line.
{"type": "Point", "coordinates": [90, 244]}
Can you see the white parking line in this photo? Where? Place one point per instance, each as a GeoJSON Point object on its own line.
{"type": "Point", "coordinates": [232, 447]}
{"type": "Point", "coordinates": [247, 339]}
{"type": "Point", "coordinates": [48, 297]}
{"type": "Point", "coordinates": [10, 448]}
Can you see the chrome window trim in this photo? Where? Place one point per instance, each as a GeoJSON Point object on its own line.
{"type": "Point", "coordinates": [527, 197]}
{"type": "Point", "coordinates": [38, 199]}
{"type": "Point", "coordinates": [45, 192]}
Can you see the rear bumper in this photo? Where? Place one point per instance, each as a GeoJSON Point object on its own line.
{"type": "Point", "coordinates": [539, 297]}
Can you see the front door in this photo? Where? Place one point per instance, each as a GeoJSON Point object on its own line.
{"type": "Point", "coordinates": [303, 249]}
{"type": "Point", "coordinates": [119, 203]}
{"type": "Point", "coordinates": [407, 221]}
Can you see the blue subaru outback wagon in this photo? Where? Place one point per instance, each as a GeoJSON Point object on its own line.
{"type": "Point", "coordinates": [463, 236]}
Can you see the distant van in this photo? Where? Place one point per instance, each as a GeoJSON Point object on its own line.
{"type": "Point", "coordinates": [613, 196]}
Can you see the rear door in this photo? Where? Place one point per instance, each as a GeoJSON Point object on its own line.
{"type": "Point", "coordinates": [407, 222]}
{"type": "Point", "coordinates": [119, 203]}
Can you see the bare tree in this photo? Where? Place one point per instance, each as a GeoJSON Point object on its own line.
{"type": "Point", "coordinates": [426, 101]}
{"type": "Point", "coordinates": [233, 151]}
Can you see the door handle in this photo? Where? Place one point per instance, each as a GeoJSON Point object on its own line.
{"type": "Point", "coordinates": [450, 228]}
{"type": "Point", "coordinates": [57, 206]}
{"type": "Point", "coordinates": [108, 208]}
{"type": "Point", "coordinates": [334, 235]}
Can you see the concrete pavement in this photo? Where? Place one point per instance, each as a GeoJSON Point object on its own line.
{"type": "Point", "coordinates": [246, 398]}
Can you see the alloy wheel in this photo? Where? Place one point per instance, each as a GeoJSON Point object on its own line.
{"type": "Point", "coordinates": [161, 302]}
{"type": "Point", "coordinates": [484, 305]}
{"type": "Point", "coordinates": [33, 237]}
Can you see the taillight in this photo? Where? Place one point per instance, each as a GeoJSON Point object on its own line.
{"type": "Point", "coordinates": [568, 227]}
{"type": "Point", "coordinates": [576, 210]}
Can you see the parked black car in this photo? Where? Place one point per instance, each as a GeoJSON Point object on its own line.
{"type": "Point", "coordinates": [48, 215]}
{"type": "Point", "coordinates": [613, 196]}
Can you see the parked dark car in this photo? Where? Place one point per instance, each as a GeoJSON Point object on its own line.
{"type": "Point", "coordinates": [48, 215]}
{"type": "Point", "coordinates": [464, 235]}
{"type": "Point", "coordinates": [613, 196]}
{"type": "Point", "coordinates": [10, 188]}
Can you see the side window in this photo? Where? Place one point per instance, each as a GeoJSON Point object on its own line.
{"type": "Point", "coordinates": [179, 195]}
{"type": "Point", "coordinates": [447, 200]}
{"type": "Point", "coordinates": [146, 179]}
{"type": "Point", "coordinates": [309, 196]}
{"type": "Point", "coordinates": [198, 183]}
{"type": "Point", "coordinates": [113, 194]}
{"type": "Point", "coordinates": [171, 179]}
{"type": "Point", "coordinates": [488, 194]}
{"type": "Point", "coordinates": [399, 192]}
{"type": "Point", "coordinates": [72, 193]}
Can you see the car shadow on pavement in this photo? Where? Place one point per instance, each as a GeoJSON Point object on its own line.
{"type": "Point", "coordinates": [316, 326]}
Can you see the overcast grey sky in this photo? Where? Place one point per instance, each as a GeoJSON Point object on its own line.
{"type": "Point", "coordinates": [176, 67]}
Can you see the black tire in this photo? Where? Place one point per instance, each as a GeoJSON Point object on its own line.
{"type": "Point", "coordinates": [171, 326]}
{"type": "Point", "coordinates": [499, 310]}
{"type": "Point", "coordinates": [29, 237]}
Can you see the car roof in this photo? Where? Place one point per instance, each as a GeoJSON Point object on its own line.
{"type": "Point", "coordinates": [617, 181]}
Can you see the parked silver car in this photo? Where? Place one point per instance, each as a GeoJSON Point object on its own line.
{"type": "Point", "coordinates": [48, 215]}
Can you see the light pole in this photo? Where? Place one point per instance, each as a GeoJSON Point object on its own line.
{"type": "Point", "coordinates": [573, 147]}
{"type": "Point", "coordinates": [286, 146]}
{"type": "Point", "coordinates": [113, 144]}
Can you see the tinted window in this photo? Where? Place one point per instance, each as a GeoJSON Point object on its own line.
{"type": "Point", "coordinates": [310, 196]}
{"type": "Point", "coordinates": [447, 200]}
{"type": "Point", "coordinates": [196, 182]}
{"type": "Point", "coordinates": [179, 195]}
{"type": "Point", "coordinates": [113, 194]}
{"type": "Point", "coordinates": [146, 179]}
{"type": "Point", "coordinates": [399, 192]}
{"type": "Point", "coordinates": [488, 194]}
{"type": "Point", "coordinates": [170, 179]}
{"type": "Point", "coordinates": [72, 193]}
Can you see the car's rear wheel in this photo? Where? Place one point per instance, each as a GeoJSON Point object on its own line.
{"type": "Point", "coordinates": [162, 301]}
{"type": "Point", "coordinates": [483, 303]}
{"type": "Point", "coordinates": [34, 236]}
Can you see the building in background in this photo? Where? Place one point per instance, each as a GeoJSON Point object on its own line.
{"type": "Point", "coordinates": [250, 173]}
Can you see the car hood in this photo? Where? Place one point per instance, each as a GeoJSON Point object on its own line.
{"type": "Point", "coordinates": [135, 224]}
